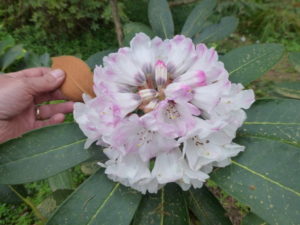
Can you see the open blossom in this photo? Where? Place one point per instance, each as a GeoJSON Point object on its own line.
{"type": "Point", "coordinates": [165, 111]}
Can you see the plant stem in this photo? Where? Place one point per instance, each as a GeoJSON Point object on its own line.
{"type": "Point", "coordinates": [36, 212]}
{"type": "Point", "coordinates": [181, 2]}
{"type": "Point", "coordinates": [117, 21]}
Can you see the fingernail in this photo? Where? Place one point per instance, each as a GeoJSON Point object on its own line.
{"type": "Point", "coordinates": [57, 73]}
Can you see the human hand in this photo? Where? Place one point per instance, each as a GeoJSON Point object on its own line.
{"type": "Point", "coordinates": [21, 92]}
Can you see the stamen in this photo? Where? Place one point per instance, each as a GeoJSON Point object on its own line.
{"type": "Point", "coordinates": [147, 94]}
{"type": "Point", "coordinates": [197, 141]}
{"type": "Point", "coordinates": [161, 74]}
{"type": "Point", "coordinates": [171, 111]}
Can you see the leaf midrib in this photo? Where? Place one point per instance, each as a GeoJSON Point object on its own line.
{"type": "Point", "coordinates": [269, 123]}
{"type": "Point", "coordinates": [284, 141]}
{"type": "Point", "coordinates": [163, 26]}
{"type": "Point", "coordinates": [205, 16]}
{"type": "Point", "coordinates": [162, 206]}
{"type": "Point", "coordinates": [103, 204]}
{"type": "Point", "coordinates": [219, 29]}
{"type": "Point", "coordinates": [212, 34]}
{"type": "Point", "coordinates": [43, 153]}
{"type": "Point", "coordinates": [266, 178]}
{"type": "Point", "coordinates": [249, 62]}
{"type": "Point", "coordinates": [199, 207]}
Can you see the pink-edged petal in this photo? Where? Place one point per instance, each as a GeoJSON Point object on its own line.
{"type": "Point", "coordinates": [207, 97]}
{"type": "Point", "coordinates": [205, 58]}
{"type": "Point", "coordinates": [123, 69]}
{"type": "Point", "coordinates": [128, 102]}
{"type": "Point", "coordinates": [132, 135]}
{"type": "Point", "coordinates": [128, 170]}
{"type": "Point", "coordinates": [174, 119]}
{"type": "Point", "coordinates": [216, 72]}
{"type": "Point", "coordinates": [179, 91]}
{"type": "Point", "coordinates": [181, 55]}
{"type": "Point", "coordinates": [215, 148]}
{"type": "Point", "coordinates": [192, 79]}
{"type": "Point", "coordinates": [96, 117]}
{"type": "Point", "coordinates": [143, 53]}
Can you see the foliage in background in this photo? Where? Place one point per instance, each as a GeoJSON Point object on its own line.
{"type": "Point", "coordinates": [267, 20]}
{"type": "Point", "coordinates": [59, 27]}
{"type": "Point", "coordinates": [13, 56]}
{"type": "Point", "coordinates": [278, 22]}
{"type": "Point", "coordinates": [53, 16]}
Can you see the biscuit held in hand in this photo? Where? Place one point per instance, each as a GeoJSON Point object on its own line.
{"type": "Point", "coordinates": [79, 78]}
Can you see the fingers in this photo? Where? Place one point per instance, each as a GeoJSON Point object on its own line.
{"type": "Point", "coordinates": [56, 95]}
{"type": "Point", "coordinates": [47, 111]}
{"type": "Point", "coordinates": [46, 83]}
{"type": "Point", "coordinates": [55, 119]}
{"type": "Point", "coordinates": [33, 72]}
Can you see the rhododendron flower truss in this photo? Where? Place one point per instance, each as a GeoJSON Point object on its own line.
{"type": "Point", "coordinates": [166, 112]}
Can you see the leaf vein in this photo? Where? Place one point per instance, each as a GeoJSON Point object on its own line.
{"type": "Point", "coordinates": [270, 123]}
{"type": "Point", "coordinates": [199, 206]}
{"type": "Point", "coordinates": [162, 207]}
{"type": "Point", "coordinates": [266, 178]}
{"type": "Point", "coordinates": [246, 64]}
{"type": "Point", "coordinates": [42, 153]}
{"type": "Point", "coordinates": [103, 204]}
{"type": "Point", "coordinates": [163, 26]}
{"type": "Point", "coordinates": [296, 144]}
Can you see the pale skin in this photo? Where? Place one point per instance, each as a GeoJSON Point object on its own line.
{"type": "Point", "coordinates": [21, 93]}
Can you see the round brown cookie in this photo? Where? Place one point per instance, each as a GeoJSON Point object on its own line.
{"type": "Point", "coordinates": [79, 78]}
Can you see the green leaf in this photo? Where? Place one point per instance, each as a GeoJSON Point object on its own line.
{"type": "Point", "coordinates": [288, 89]}
{"type": "Point", "coordinates": [294, 58]}
{"type": "Point", "coordinates": [160, 18]}
{"type": "Point", "coordinates": [217, 32]}
{"type": "Point", "coordinates": [43, 153]}
{"type": "Point", "coordinates": [8, 42]}
{"type": "Point", "coordinates": [130, 29]}
{"type": "Point", "coordinates": [196, 20]}
{"type": "Point", "coordinates": [97, 58]}
{"type": "Point", "coordinates": [168, 207]}
{"type": "Point", "coordinates": [31, 60]}
{"type": "Point", "coordinates": [45, 60]}
{"type": "Point", "coordinates": [10, 56]}
{"type": "Point", "coordinates": [266, 176]}
{"type": "Point", "coordinates": [62, 180]}
{"type": "Point", "coordinates": [8, 196]}
{"type": "Point", "coordinates": [248, 63]}
{"type": "Point", "coordinates": [98, 201]}
{"type": "Point", "coordinates": [206, 207]}
{"type": "Point", "coordinates": [252, 219]}
{"type": "Point", "coordinates": [274, 119]}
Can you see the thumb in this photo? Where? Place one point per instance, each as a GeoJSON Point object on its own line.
{"type": "Point", "coordinates": [48, 82]}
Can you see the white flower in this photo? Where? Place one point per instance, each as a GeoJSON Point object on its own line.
{"type": "Point", "coordinates": [166, 111]}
